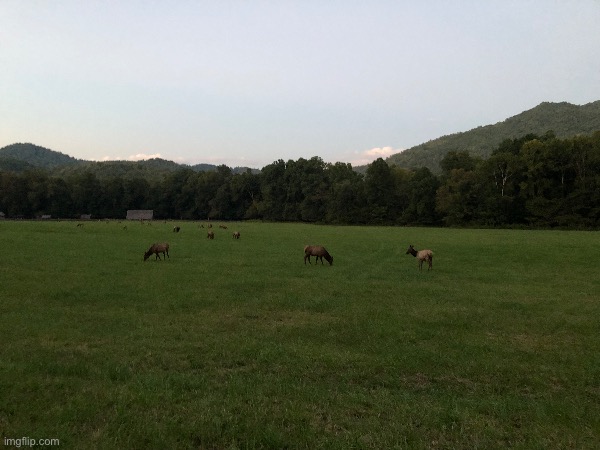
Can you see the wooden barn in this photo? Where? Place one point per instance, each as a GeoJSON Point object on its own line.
{"type": "Point", "coordinates": [140, 214]}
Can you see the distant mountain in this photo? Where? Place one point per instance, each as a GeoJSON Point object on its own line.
{"type": "Point", "coordinates": [37, 156]}
{"type": "Point", "coordinates": [21, 157]}
{"type": "Point", "coordinates": [211, 167]}
{"type": "Point", "coordinates": [122, 169]}
{"type": "Point", "coordinates": [564, 119]}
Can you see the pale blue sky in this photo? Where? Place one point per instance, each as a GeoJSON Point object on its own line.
{"type": "Point", "coordinates": [245, 83]}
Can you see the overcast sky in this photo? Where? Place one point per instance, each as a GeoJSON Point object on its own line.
{"type": "Point", "coordinates": [245, 83]}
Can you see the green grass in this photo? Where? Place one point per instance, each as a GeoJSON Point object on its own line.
{"type": "Point", "coordinates": [238, 344]}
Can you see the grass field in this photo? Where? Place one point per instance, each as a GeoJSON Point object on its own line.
{"type": "Point", "coordinates": [238, 344]}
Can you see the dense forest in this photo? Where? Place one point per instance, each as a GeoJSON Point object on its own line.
{"type": "Point", "coordinates": [534, 180]}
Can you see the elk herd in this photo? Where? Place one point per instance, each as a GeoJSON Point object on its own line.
{"type": "Point", "coordinates": [318, 251]}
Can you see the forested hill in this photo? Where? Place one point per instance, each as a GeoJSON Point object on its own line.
{"type": "Point", "coordinates": [21, 157]}
{"type": "Point", "coordinates": [36, 156]}
{"type": "Point", "coordinates": [563, 119]}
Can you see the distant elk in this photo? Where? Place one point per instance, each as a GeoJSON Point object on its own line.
{"type": "Point", "coordinates": [156, 249]}
{"type": "Point", "coordinates": [223, 226]}
{"type": "Point", "coordinates": [422, 256]}
{"type": "Point", "coordinates": [236, 234]}
{"type": "Point", "coordinates": [176, 229]}
{"type": "Point", "coordinates": [210, 235]}
{"type": "Point", "coordinates": [319, 252]}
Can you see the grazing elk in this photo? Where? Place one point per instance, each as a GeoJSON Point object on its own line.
{"type": "Point", "coordinates": [319, 252]}
{"type": "Point", "coordinates": [236, 234]}
{"type": "Point", "coordinates": [156, 249]}
{"type": "Point", "coordinates": [176, 229]}
{"type": "Point", "coordinates": [223, 226]}
{"type": "Point", "coordinates": [210, 235]}
{"type": "Point", "coordinates": [422, 256]}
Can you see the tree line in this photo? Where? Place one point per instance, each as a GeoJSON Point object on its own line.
{"type": "Point", "coordinates": [537, 181]}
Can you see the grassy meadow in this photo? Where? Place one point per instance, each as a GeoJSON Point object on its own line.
{"type": "Point", "coordinates": [238, 344]}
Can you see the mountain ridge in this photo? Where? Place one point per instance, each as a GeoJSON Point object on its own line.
{"type": "Point", "coordinates": [563, 119]}
{"type": "Point", "coordinates": [19, 157]}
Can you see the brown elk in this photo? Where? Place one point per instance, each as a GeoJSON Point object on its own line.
{"type": "Point", "coordinates": [176, 229]}
{"type": "Point", "coordinates": [422, 256]}
{"type": "Point", "coordinates": [156, 249]}
{"type": "Point", "coordinates": [319, 252]}
{"type": "Point", "coordinates": [210, 235]}
{"type": "Point", "coordinates": [236, 234]}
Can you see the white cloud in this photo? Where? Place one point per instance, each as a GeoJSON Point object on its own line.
{"type": "Point", "coordinates": [136, 157]}
{"type": "Point", "coordinates": [142, 156]}
{"type": "Point", "coordinates": [380, 152]}
{"type": "Point", "coordinates": [368, 156]}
